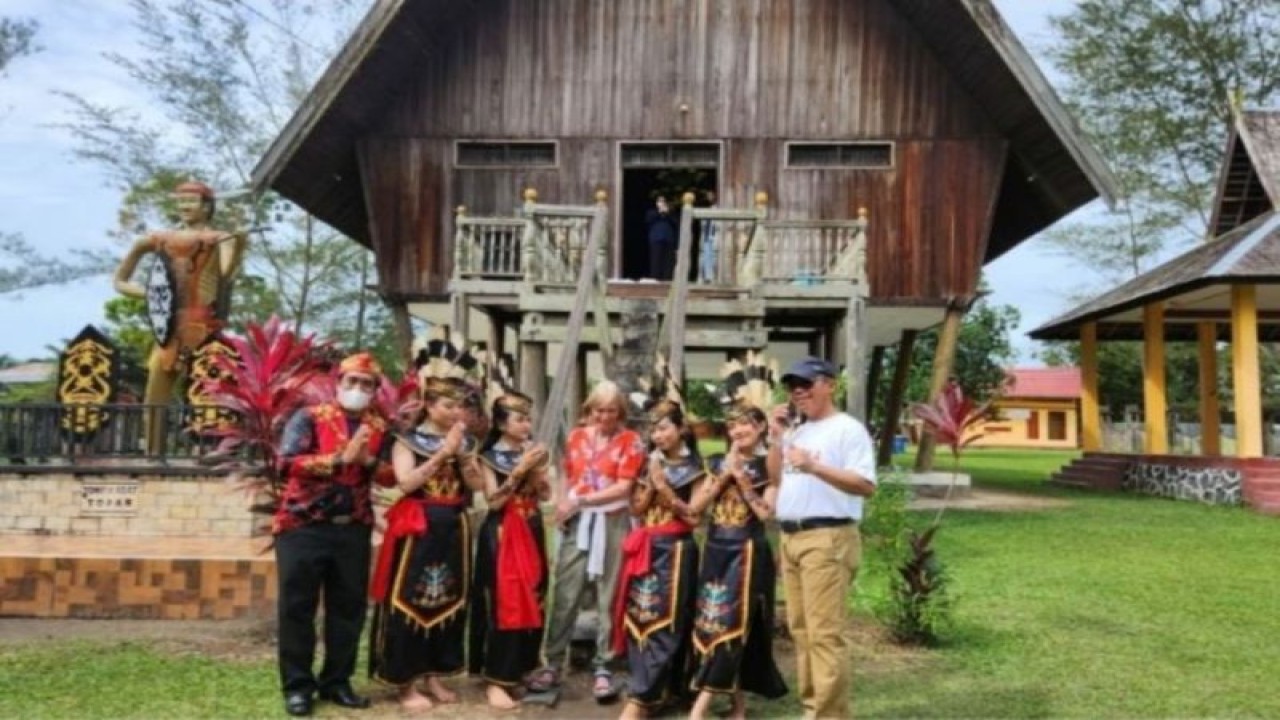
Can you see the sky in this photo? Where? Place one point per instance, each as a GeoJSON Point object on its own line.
{"type": "Point", "coordinates": [58, 202]}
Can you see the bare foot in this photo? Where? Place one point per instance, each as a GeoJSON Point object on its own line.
{"type": "Point", "coordinates": [414, 701]}
{"type": "Point", "coordinates": [440, 692]}
{"type": "Point", "coordinates": [632, 711]}
{"type": "Point", "coordinates": [499, 698]}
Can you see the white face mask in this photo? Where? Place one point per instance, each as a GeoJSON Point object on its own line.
{"type": "Point", "coordinates": [354, 399]}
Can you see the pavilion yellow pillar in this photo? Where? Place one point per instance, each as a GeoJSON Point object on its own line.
{"type": "Point", "coordinates": [1207, 335]}
{"type": "Point", "coordinates": [1244, 370]}
{"type": "Point", "coordinates": [1090, 417]}
{"type": "Point", "coordinates": [1153, 385]}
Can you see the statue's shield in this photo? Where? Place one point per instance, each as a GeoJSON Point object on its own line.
{"type": "Point", "coordinates": [162, 299]}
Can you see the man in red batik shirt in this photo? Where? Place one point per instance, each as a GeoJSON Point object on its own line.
{"type": "Point", "coordinates": [331, 453]}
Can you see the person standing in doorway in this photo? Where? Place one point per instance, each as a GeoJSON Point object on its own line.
{"type": "Point", "coordinates": [663, 234]}
{"type": "Point", "coordinates": [827, 465]}
{"type": "Point", "coordinates": [707, 246]}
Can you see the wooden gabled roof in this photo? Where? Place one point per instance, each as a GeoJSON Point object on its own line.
{"type": "Point", "coordinates": [1052, 168]}
{"type": "Point", "coordinates": [1249, 183]}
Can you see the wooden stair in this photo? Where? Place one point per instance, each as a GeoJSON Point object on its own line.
{"type": "Point", "coordinates": [1094, 471]}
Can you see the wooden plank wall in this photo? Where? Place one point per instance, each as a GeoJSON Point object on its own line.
{"type": "Point", "coordinates": [751, 73]}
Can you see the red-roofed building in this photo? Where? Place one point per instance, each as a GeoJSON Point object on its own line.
{"type": "Point", "coordinates": [1040, 408]}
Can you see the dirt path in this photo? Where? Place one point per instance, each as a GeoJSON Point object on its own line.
{"type": "Point", "coordinates": [254, 642]}
{"type": "Point", "coordinates": [995, 500]}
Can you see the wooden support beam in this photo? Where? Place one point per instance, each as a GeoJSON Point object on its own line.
{"type": "Point", "coordinates": [533, 373]}
{"type": "Point", "coordinates": [1245, 377]}
{"type": "Point", "coordinates": [497, 336]}
{"type": "Point", "coordinates": [873, 379]}
{"type": "Point", "coordinates": [893, 403]}
{"type": "Point", "coordinates": [675, 316]}
{"type": "Point", "coordinates": [1090, 407]}
{"type": "Point", "coordinates": [856, 351]}
{"type": "Point", "coordinates": [943, 359]}
{"type": "Point", "coordinates": [700, 339]}
{"type": "Point", "coordinates": [1210, 430]}
{"type": "Point", "coordinates": [1154, 396]}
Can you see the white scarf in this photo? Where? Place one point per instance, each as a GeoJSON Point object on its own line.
{"type": "Point", "coordinates": [591, 535]}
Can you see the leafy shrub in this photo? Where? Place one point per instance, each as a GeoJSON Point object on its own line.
{"type": "Point", "coordinates": [920, 606]}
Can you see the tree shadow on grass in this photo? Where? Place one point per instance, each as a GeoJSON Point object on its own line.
{"type": "Point", "coordinates": [968, 702]}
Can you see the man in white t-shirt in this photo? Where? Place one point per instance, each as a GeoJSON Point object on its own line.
{"type": "Point", "coordinates": [827, 463]}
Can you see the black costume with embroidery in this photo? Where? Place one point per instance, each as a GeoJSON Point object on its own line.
{"type": "Point", "coordinates": [660, 603]}
{"type": "Point", "coordinates": [419, 627]}
{"type": "Point", "coordinates": [504, 657]}
{"type": "Point", "coordinates": [732, 631]}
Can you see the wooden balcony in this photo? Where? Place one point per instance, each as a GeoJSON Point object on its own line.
{"type": "Point", "coordinates": [750, 268]}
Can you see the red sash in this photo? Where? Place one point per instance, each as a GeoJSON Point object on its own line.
{"type": "Point", "coordinates": [519, 571]}
{"type": "Point", "coordinates": [407, 517]}
{"type": "Point", "coordinates": [635, 563]}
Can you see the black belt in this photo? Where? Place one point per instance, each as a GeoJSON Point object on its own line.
{"type": "Point", "coordinates": [795, 526]}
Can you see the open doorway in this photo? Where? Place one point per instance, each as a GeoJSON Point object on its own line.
{"type": "Point", "coordinates": [667, 169]}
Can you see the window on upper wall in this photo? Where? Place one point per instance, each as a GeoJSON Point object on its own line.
{"type": "Point", "coordinates": [839, 156]}
{"type": "Point", "coordinates": [505, 154]}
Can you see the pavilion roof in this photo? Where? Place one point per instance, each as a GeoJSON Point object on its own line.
{"type": "Point", "coordinates": [1245, 249]}
{"type": "Point", "coordinates": [1247, 254]}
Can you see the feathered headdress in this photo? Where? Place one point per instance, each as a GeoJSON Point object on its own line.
{"type": "Point", "coordinates": [446, 369]}
{"type": "Point", "coordinates": [659, 392]}
{"type": "Point", "coordinates": [500, 387]}
{"type": "Point", "coordinates": [748, 385]}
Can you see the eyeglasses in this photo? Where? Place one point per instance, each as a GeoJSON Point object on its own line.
{"type": "Point", "coordinates": [793, 385]}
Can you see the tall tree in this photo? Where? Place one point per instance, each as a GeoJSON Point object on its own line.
{"type": "Point", "coordinates": [223, 77]}
{"type": "Point", "coordinates": [1154, 83]}
{"type": "Point", "coordinates": [17, 37]}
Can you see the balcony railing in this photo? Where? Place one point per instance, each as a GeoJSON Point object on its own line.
{"type": "Point", "coordinates": [735, 247]}
{"type": "Point", "coordinates": [34, 435]}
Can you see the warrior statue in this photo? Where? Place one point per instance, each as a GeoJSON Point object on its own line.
{"type": "Point", "coordinates": [188, 292]}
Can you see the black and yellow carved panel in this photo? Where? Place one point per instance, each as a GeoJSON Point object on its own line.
{"type": "Point", "coordinates": [87, 373]}
{"type": "Point", "coordinates": [206, 364]}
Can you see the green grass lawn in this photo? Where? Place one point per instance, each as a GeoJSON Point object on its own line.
{"type": "Point", "coordinates": [1112, 606]}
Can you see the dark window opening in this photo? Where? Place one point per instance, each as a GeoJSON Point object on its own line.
{"type": "Point", "coordinates": [859, 155]}
{"type": "Point", "coordinates": [505, 154]}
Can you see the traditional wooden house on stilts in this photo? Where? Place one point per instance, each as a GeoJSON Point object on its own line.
{"type": "Point", "coordinates": [867, 156]}
{"type": "Point", "coordinates": [1226, 290]}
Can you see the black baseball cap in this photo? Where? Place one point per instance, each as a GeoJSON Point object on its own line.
{"type": "Point", "coordinates": [808, 370]}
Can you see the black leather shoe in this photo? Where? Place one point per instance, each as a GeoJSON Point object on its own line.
{"type": "Point", "coordinates": [346, 697]}
{"type": "Point", "coordinates": [298, 704]}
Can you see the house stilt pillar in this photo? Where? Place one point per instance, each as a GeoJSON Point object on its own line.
{"type": "Point", "coordinates": [533, 373]}
{"type": "Point", "coordinates": [893, 403]}
{"type": "Point", "coordinates": [943, 360]}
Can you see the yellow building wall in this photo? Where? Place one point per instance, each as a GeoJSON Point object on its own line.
{"type": "Point", "coordinates": [1016, 418]}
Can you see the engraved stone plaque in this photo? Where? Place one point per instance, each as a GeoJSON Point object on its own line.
{"type": "Point", "coordinates": [116, 498]}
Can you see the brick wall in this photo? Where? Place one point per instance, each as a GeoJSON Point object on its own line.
{"type": "Point", "coordinates": [160, 506]}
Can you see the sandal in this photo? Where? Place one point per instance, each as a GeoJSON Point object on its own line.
{"type": "Point", "coordinates": [543, 679]}
{"type": "Point", "coordinates": [604, 690]}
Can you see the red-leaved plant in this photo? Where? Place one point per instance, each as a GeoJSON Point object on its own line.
{"type": "Point", "coordinates": [950, 419]}
{"type": "Point", "coordinates": [921, 606]}
{"type": "Point", "coordinates": [276, 372]}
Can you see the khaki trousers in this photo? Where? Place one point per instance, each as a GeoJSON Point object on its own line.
{"type": "Point", "coordinates": [817, 568]}
{"type": "Point", "coordinates": [570, 582]}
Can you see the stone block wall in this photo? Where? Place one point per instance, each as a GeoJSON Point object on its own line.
{"type": "Point", "coordinates": [1213, 485]}
{"type": "Point", "coordinates": [67, 504]}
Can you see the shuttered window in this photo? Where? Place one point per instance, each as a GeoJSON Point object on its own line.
{"type": "Point", "coordinates": [844, 156]}
{"type": "Point", "coordinates": [502, 154]}
{"type": "Point", "coordinates": [696, 155]}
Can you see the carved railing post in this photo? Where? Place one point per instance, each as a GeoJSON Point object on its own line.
{"type": "Point", "coordinates": [752, 263]}
{"type": "Point", "coordinates": [529, 261]}
{"type": "Point", "coordinates": [860, 254]}
{"type": "Point", "coordinates": [461, 244]}
{"type": "Point", "coordinates": [602, 252]}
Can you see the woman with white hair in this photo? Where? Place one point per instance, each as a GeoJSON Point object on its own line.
{"type": "Point", "coordinates": [601, 460]}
